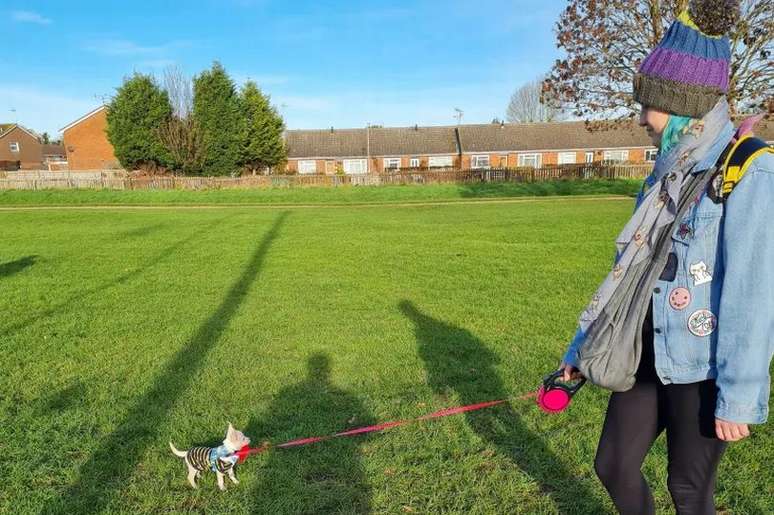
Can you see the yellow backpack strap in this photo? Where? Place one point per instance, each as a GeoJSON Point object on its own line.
{"type": "Point", "coordinates": [746, 150]}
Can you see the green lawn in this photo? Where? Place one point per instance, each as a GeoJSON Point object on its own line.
{"type": "Point", "coordinates": [122, 330]}
{"type": "Point", "coordinates": [323, 195]}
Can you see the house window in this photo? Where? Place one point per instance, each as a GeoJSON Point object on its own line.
{"type": "Point", "coordinates": [441, 162]}
{"type": "Point", "coordinates": [15, 147]}
{"type": "Point", "coordinates": [414, 163]}
{"type": "Point", "coordinates": [392, 163]}
{"type": "Point", "coordinates": [651, 155]}
{"type": "Point", "coordinates": [566, 158]}
{"type": "Point", "coordinates": [503, 161]}
{"type": "Point", "coordinates": [529, 160]}
{"type": "Point", "coordinates": [616, 156]}
{"type": "Point", "coordinates": [589, 157]}
{"type": "Point", "coordinates": [480, 163]}
{"type": "Point", "coordinates": [330, 167]}
{"type": "Point", "coordinates": [355, 166]}
{"type": "Point", "coordinates": [307, 167]}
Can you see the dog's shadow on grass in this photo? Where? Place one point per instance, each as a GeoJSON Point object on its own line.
{"type": "Point", "coordinates": [64, 399]}
{"type": "Point", "coordinates": [459, 362]}
{"type": "Point", "coordinates": [319, 478]}
{"type": "Point", "coordinates": [141, 232]}
{"type": "Point", "coordinates": [14, 267]}
{"type": "Point", "coordinates": [114, 460]}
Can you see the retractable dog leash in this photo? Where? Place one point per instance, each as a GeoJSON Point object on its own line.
{"type": "Point", "coordinates": [555, 397]}
{"type": "Point", "coordinates": [552, 397]}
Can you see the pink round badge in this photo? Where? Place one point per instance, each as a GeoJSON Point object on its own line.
{"type": "Point", "coordinates": [680, 298]}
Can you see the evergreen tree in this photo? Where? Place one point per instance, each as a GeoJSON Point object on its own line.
{"type": "Point", "coordinates": [134, 117]}
{"type": "Point", "coordinates": [264, 146]}
{"type": "Point", "coordinates": [217, 113]}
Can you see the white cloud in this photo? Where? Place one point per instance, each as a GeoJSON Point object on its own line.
{"type": "Point", "coordinates": [157, 63]}
{"type": "Point", "coordinates": [117, 47]}
{"type": "Point", "coordinates": [30, 17]}
{"type": "Point", "coordinates": [121, 47]}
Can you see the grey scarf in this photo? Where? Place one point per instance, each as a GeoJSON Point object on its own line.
{"type": "Point", "coordinates": [612, 323]}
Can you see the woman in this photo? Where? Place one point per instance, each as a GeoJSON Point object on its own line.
{"type": "Point", "coordinates": [701, 357]}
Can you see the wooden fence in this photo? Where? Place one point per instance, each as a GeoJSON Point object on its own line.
{"type": "Point", "coordinates": [113, 181]}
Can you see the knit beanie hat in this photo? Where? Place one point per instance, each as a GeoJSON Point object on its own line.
{"type": "Point", "coordinates": [689, 70]}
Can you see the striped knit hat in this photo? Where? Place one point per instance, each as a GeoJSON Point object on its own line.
{"type": "Point", "coordinates": [689, 70]}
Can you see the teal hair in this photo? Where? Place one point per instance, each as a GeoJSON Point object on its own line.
{"type": "Point", "coordinates": [675, 128]}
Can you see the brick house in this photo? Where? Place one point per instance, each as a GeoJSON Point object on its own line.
{"type": "Point", "coordinates": [380, 150]}
{"type": "Point", "coordinates": [86, 142]}
{"type": "Point", "coordinates": [327, 151]}
{"type": "Point", "coordinates": [371, 150]}
{"type": "Point", "coordinates": [546, 144]}
{"type": "Point", "coordinates": [394, 149]}
{"type": "Point", "coordinates": [20, 145]}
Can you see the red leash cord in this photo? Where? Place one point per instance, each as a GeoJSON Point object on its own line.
{"type": "Point", "coordinates": [247, 451]}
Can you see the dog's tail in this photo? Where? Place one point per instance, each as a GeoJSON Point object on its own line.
{"type": "Point", "coordinates": [179, 454]}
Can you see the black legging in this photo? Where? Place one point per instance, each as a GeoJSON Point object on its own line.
{"type": "Point", "coordinates": [636, 418]}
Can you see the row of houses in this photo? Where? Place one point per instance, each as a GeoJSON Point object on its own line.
{"type": "Point", "coordinates": [23, 148]}
{"type": "Point", "coordinates": [500, 145]}
{"type": "Point", "coordinates": [388, 150]}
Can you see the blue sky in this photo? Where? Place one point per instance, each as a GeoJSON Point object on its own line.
{"type": "Point", "coordinates": [325, 63]}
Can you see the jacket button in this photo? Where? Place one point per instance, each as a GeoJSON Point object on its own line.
{"type": "Point", "coordinates": [657, 290]}
{"type": "Point", "coordinates": [657, 331]}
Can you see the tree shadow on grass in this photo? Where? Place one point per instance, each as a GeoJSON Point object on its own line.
{"type": "Point", "coordinates": [14, 267]}
{"type": "Point", "coordinates": [458, 362]}
{"type": "Point", "coordinates": [116, 457]}
{"type": "Point", "coordinates": [321, 478]}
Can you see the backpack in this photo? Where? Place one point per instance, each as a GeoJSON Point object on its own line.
{"type": "Point", "coordinates": [736, 160]}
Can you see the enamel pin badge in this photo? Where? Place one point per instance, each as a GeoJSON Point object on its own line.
{"type": "Point", "coordinates": [680, 298]}
{"type": "Point", "coordinates": [702, 323]}
{"type": "Point", "coordinates": [700, 274]}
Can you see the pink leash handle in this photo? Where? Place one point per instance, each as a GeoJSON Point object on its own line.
{"type": "Point", "coordinates": [555, 397]}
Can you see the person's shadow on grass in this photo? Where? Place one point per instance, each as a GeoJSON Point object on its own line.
{"type": "Point", "coordinates": [325, 477]}
{"type": "Point", "coordinates": [459, 362]}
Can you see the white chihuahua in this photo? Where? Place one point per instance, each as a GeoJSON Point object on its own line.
{"type": "Point", "coordinates": [220, 460]}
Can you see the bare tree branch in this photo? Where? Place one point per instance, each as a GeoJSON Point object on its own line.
{"type": "Point", "coordinates": [528, 105]}
{"type": "Point", "coordinates": [605, 42]}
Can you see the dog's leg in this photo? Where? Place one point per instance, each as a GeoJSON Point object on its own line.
{"type": "Point", "coordinates": [221, 484]}
{"type": "Point", "coordinates": [232, 476]}
{"type": "Point", "coordinates": [192, 475]}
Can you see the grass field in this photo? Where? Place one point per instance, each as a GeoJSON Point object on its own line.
{"type": "Point", "coordinates": [122, 330]}
{"type": "Point", "coordinates": [322, 195]}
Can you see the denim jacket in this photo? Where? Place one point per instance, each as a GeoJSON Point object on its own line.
{"type": "Point", "coordinates": [713, 316]}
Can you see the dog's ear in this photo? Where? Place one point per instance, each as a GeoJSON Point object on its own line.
{"type": "Point", "coordinates": [230, 433]}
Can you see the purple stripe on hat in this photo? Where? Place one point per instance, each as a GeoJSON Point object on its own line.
{"type": "Point", "coordinates": [682, 67]}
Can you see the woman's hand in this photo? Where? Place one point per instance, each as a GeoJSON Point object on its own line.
{"type": "Point", "coordinates": [731, 431]}
{"type": "Point", "coordinates": [570, 373]}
